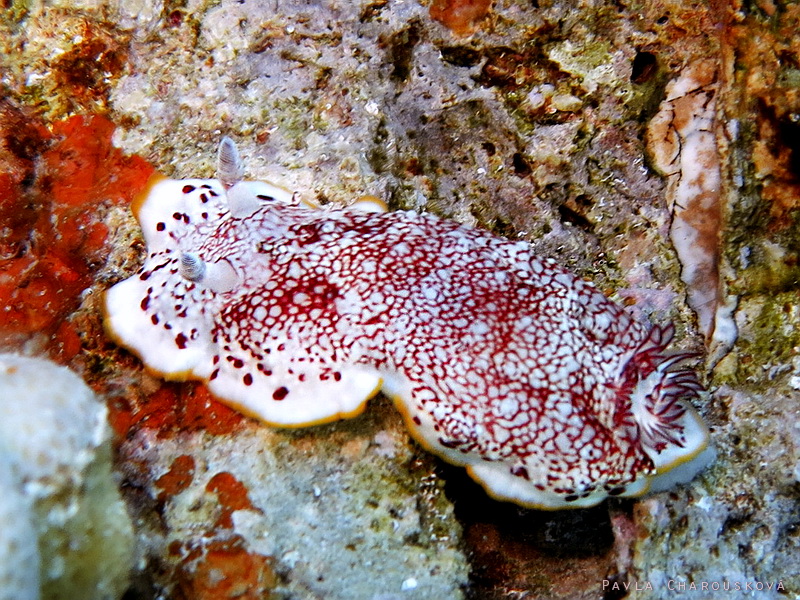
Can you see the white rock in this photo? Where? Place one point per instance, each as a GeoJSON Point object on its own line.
{"type": "Point", "coordinates": [19, 555]}
{"type": "Point", "coordinates": [58, 490]}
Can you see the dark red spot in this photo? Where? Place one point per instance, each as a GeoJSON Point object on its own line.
{"type": "Point", "coordinates": [280, 393]}
{"type": "Point", "coordinates": [173, 20]}
{"type": "Point", "coordinates": [265, 197]}
{"type": "Point", "coordinates": [161, 226]}
{"type": "Point", "coordinates": [238, 363]}
{"type": "Point", "coordinates": [145, 303]}
{"type": "Point", "coordinates": [186, 219]}
{"type": "Point", "coordinates": [307, 234]}
{"type": "Point", "coordinates": [205, 215]}
{"type": "Point", "coordinates": [417, 420]}
{"type": "Point", "coordinates": [203, 198]}
{"type": "Point", "coordinates": [337, 376]}
{"type": "Point", "coordinates": [188, 189]}
{"type": "Point", "coordinates": [167, 326]}
{"type": "Point", "coordinates": [214, 375]}
{"type": "Point", "coordinates": [144, 276]}
{"type": "Point", "coordinates": [154, 320]}
{"type": "Point", "coordinates": [177, 216]}
{"type": "Point", "coordinates": [248, 379]}
{"type": "Point", "coordinates": [520, 472]}
{"type": "Point", "coordinates": [216, 358]}
{"type": "Point", "coordinates": [180, 341]}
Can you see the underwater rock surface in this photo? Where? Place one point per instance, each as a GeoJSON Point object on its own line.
{"type": "Point", "coordinates": [65, 531]}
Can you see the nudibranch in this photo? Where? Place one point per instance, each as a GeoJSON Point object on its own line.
{"type": "Point", "coordinates": [550, 394]}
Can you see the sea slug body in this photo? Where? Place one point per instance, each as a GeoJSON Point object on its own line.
{"type": "Point", "coordinates": [550, 394]}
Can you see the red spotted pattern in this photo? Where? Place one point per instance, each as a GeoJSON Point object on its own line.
{"type": "Point", "coordinates": [505, 358]}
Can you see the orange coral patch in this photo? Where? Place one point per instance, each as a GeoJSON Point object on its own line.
{"type": "Point", "coordinates": [232, 495]}
{"type": "Point", "coordinates": [207, 413]}
{"type": "Point", "coordinates": [55, 240]}
{"type": "Point", "coordinates": [228, 571]}
{"type": "Point", "coordinates": [66, 342]}
{"type": "Point", "coordinates": [177, 479]}
{"type": "Point", "coordinates": [460, 16]}
{"type": "Point", "coordinates": [120, 415]}
{"type": "Point", "coordinates": [174, 407]}
{"type": "Point", "coordinates": [85, 167]}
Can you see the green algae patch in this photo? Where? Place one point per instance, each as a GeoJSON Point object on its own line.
{"type": "Point", "coordinates": [769, 327]}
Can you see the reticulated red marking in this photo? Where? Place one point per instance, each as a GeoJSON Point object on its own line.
{"type": "Point", "coordinates": [511, 359]}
